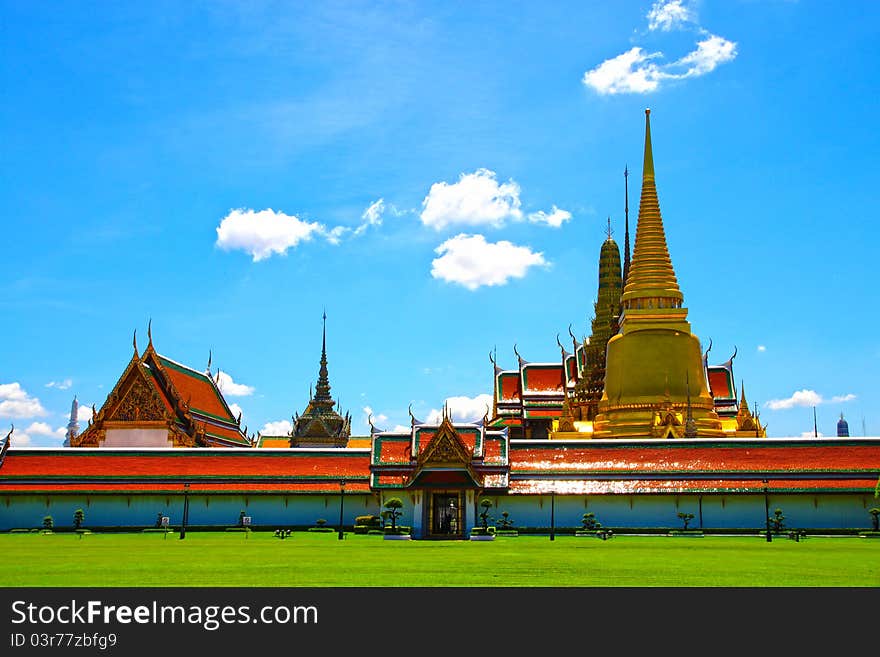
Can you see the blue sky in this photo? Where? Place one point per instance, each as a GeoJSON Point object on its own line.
{"type": "Point", "coordinates": [438, 177]}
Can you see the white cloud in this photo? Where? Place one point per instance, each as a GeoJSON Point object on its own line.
{"type": "Point", "coordinates": [471, 261]}
{"type": "Point", "coordinates": [399, 428]}
{"type": "Point", "coordinates": [811, 434]}
{"type": "Point", "coordinates": [629, 72]}
{"type": "Point", "coordinates": [709, 54]}
{"type": "Point", "coordinates": [762, 348]}
{"type": "Point", "coordinates": [799, 398]}
{"type": "Point", "coordinates": [83, 413]}
{"type": "Point", "coordinates": [806, 398]}
{"type": "Point", "coordinates": [666, 15]}
{"type": "Point", "coordinates": [477, 199]}
{"type": "Point", "coordinates": [372, 216]}
{"type": "Point", "coordinates": [267, 232]}
{"type": "Point", "coordinates": [463, 409]}
{"type": "Point", "coordinates": [637, 71]}
{"type": "Point", "coordinates": [555, 218]}
{"type": "Point", "coordinates": [236, 410]}
{"type": "Point", "coordinates": [15, 402]}
{"type": "Point", "coordinates": [378, 418]}
{"type": "Point", "coordinates": [231, 388]}
{"type": "Point", "coordinates": [42, 429]}
{"type": "Point", "coordinates": [280, 428]}
{"type": "Point", "coordinates": [50, 437]}
{"type": "Point", "coordinates": [61, 385]}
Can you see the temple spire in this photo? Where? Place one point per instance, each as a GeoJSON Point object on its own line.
{"type": "Point", "coordinates": [322, 388]}
{"type": "Point", "coordinates": [651, 281]}
{"type": "Point", "coordinates": [626, 223]}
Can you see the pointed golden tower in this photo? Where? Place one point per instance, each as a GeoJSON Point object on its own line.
{"type": "Point", "coordinates": [651, 360]}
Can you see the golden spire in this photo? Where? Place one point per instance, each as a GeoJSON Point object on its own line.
{"type": "Point", "coordinates": [651, 282]}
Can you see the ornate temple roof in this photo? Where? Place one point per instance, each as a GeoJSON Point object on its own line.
{"type": "Point", "coordinates": [155, 391]}
{"type": "Point", "coordinates": [320, 424]}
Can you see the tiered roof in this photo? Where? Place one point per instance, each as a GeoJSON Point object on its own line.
{"type": "Point", "coordinates": [155, 391]}
{"type": "Point", "coordinates": [466, 454]}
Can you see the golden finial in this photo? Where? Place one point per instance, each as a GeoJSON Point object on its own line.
{"type": "Point", "coordinates": [150, 333]}
{"type": "Point", "coordinates": [134, 342]}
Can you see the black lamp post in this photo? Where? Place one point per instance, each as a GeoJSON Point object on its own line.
{"type": "Point", "coordinates": [341, 506]}
{"type": "Point", "coordinates": [767, 512]}
{"type": "Point", "coordinates": [552, 515]}
{"type": "Point", "coordinates": [185, 511]}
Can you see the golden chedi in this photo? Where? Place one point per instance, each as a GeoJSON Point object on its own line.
{"type": "Point", "coordinates": [654, 380]}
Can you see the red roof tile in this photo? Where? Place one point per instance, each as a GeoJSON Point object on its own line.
{"type": "Point", "coordinates": [541, 378]}
{"type": "Point", "coordinates": [195, 387]}
{"type": "Point", "coordinates": [693, 457]}
{"type": "Point", "coordinates": [659, 486]}
{"type": "Point", "coordinates": [79, 463]}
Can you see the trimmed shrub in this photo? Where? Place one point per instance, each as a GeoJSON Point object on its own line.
{"type": "Point", "coordinates": [48, 523]}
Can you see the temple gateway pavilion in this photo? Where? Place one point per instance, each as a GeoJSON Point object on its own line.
{"type": "Point", "coordinates": [632, 424]}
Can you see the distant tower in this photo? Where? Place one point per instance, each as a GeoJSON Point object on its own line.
{"type": "Point", "coordinates": [588, 390]}
{"type": "Point", "coordinates": [842, 428]}
{"type": "Point", "coordinates": [320, 425]}
{"type": "Point", "coordinates": [73, 425]}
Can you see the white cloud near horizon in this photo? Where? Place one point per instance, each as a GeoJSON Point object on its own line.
{"type": "Point", "coordinates": [378, 418]}
{"type": "Point", "coordinates": [60, 385]}
{"type": "Point", "coordinates": [15, 402]}
{"type": "Point", "coordinates": [762, 348]}
{"type": "Point", "coordinates": [462, 409]}
{"type": "Point", "coordinates": [280, 428]}
{"type": "Point", "coordinates": [266, 232]}
{"type": "Point", "coordinates": [806, 398]}
{"type": "Point", "coordinates": [477, 199]}
{"type": "Point", "coordinates": [230, 388]}
{"type": "Point", "coordinates": [666, 15]}
{"type": "Point", "coordinates": [472, 262]}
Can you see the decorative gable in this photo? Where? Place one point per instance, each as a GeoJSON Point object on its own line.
{"type": "Point", "coordinates": [139, 402]}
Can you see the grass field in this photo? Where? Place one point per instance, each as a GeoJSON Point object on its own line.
{"type": "Point", "coordinates": [307, 559]}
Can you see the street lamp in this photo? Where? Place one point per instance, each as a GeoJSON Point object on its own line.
{"type": "Point", "coordinates": [341, 506]}
{"type": "Point", "coordinates": [185, 511]}
{"type": "Point", "coordinates": [767, 512]}
{"type": "Point", "coordinates": [552, 515]}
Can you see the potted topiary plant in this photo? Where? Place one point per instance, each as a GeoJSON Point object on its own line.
{"type": "Point", "coordinates": [685, 518]}
{"type": "Point", "coordinates": [777, 521]}
{"type": "Point", "coordinates": [79, 517]}
{"type": "Point", "coordinates": [393, 511]}
{"type": "Point", "coordinates": [48, 525]}
{"type": "Point", "coordinates": [875, 524]}
{"type": "Point", "coordinates": [505, 526]}
{"type": "Point", "coordinates": [589, 525]}
{"type": "Point", "coordinates": [484, 532]}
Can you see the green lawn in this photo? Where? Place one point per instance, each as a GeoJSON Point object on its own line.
{"type": "Point", "coordinates": [304, 559]}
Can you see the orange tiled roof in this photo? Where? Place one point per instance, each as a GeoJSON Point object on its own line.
{"type": "Point", "coordinates": [542, 378]}
{"type": "Point", "coordinates": [197, 388]}
{"type": "Point", "coordinates": [181, 463]}
{"type": "Point", "coordinates": [719, 382]}
{"type": "Point", "coordinates": [637, 486]}
{"type": "Point", "coordinates": [694, 456]}
{"type": "Point", "coordinates": [510, 387]}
